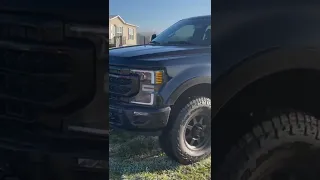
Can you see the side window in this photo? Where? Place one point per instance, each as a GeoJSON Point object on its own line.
{"type": "Point", "coordinates": [183, 34]}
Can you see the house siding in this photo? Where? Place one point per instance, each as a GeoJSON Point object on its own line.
{"type": "Point", "coordinates": [117, 22]}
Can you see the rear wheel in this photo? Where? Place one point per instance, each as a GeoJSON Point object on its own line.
{"type": "Point", "coordinates": [286, 147]}
{"type": "Point", "coordinates": [189, 138]}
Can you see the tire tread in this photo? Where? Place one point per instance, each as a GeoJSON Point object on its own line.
{"type": "Point", "coordinates": [292, 126]}
{"type": "Point", "coordinates": [172, 146]}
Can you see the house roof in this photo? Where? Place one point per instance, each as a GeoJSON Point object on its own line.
{"type": "Point", "coordinates": [112, 16]}
{"type": "Point", "coordinates": [117, 16]}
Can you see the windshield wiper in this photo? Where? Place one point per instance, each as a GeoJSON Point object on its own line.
{"type": "Point", "coordinates": [180, 42]}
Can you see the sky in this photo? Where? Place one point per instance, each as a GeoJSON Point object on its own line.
{"type": "Point", "coordinates": [157, 15]}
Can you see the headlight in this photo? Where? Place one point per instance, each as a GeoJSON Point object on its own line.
{"type": "Point", "coordinates": [150, 83]}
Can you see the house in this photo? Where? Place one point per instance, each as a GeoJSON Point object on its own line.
{"type": "Point", "coordinates": [121, 33]}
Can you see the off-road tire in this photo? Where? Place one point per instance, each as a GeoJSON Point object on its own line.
{"type": "Point", "coordinates": [287, 139]}
{"type": "Point", "coordinates": [172, 140]}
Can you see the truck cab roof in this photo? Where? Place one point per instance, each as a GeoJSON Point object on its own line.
{"type": "Point", "coordinates": [198, 17]}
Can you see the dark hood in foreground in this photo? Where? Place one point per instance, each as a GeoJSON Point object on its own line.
{"type": "Point", "coordinates": [151, 54]}
{"type": "Point", "coordinates": [88, 12]}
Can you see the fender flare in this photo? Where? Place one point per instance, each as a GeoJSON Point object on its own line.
{"type": "Point", "coordinates": [183, 81]}
{"type": "Point", "coordinates": [186, 85]}
{"type": "Point", "coordinates": [258, 67]}
{"type": "Point", "coordinates": [260, 39]}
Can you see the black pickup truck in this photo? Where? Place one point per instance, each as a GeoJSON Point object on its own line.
{"type": "Point", "coordinates": [254, 98]}
{"type": "Point", "coordinates": [164, 88]}
{"type": "Point", "coordinates": [53, 58]}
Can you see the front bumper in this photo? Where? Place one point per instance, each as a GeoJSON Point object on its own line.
{"type": "Point", "coordinates": [139, 119]}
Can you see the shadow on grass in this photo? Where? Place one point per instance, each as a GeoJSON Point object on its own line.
{"type": "Point", "coordinates": [129, 154]}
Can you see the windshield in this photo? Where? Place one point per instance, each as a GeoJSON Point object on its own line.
{"type": "Point", "coordinates": [186, 32]}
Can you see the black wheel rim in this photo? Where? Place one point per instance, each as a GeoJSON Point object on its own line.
{"type": "Point", "coordinates": [197, 132]}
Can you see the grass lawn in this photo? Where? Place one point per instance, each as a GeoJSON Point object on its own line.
{"type": "Point", "coordinates": [138, 157]}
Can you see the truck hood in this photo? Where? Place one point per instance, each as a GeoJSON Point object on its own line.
{"type": "Point", "coordinates": [153, 54]}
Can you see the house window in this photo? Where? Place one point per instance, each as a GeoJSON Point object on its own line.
{"type": "Point", "coordinates": [131, 33]}
{"type": "Point", "coordinates": [119, 30]}
{"type": "Point", "coordinates": [112, 31]}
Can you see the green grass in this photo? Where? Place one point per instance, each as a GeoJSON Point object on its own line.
{"type": "Point", "coordinates": [138, 157]}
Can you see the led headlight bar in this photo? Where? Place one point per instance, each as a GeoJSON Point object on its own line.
{"type": "Point", "coordinates": [150, 82]}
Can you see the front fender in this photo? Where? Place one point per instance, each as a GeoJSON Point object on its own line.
{"type": "Point", "coordinates": [183, 81]}
{"type": "Point", "coordinates": [259, 39]}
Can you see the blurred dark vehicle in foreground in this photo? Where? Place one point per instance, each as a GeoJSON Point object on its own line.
{"type": "Point", "coordinates": [52, 65]}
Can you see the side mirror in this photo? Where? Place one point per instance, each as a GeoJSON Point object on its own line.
{"type": "Point", "coordinates": [153, 36]}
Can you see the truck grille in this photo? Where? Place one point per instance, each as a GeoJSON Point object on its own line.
{"type": "Point", "coordinates": [30, 78]}
{"type": "Point", "coordinates": [38, 79]}
{"type": "Point", "coordinates": [41, 78]}
{"type": "Point", "coordinates": [122, 84]}
{"type": "Point", "coordinates": [40, 70]}
{"type": "Point", "coordinates": [34, 62]}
